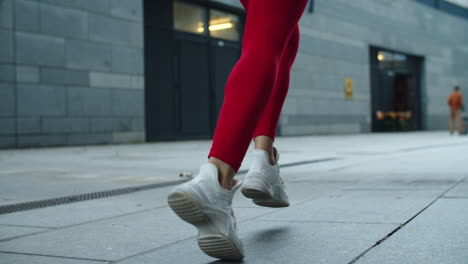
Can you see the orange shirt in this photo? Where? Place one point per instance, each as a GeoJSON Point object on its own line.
{"type": "Point", "coordinates": [455, 101]}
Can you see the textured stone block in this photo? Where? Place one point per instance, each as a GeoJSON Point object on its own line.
{"type": "Point", "coordinates": [64, 22]}
{"type": "Point", "coordinates": [437, 122]}
{"type": "Point", "coordinates": [88, 56]}
{"type": "Point", "coordinates": [7, 126]}
{"type": "Point", "coordinates": [122, 124]}
{"type": "Point", "coordinates": [127, 103]}
{"type": "Point", "coordinates": [138, 124]}
{"type": "Point", "coordinates": [29, 74]}
{"type": "Point", "coordinates": [127, 60]}
{"type": "Point", "coordinates": [329, 48]}
{"type": "Point", "coordinates": [7, 72]}
{"type": "Point", "coordinates": [29, 125]}
{"type": "Point", "coordinates": [80, 139]}
{"type": "Point", "coordinates": [101, 124]}
{"type": "Point", "coordinates": [137, 82]}
{"type": "Point", "coordinates": [136, 35]}
{"type": "Point", "coordinates": [111, 80]}
{"type": "Point", "coordinates": [290, 106]}
{"type": "Point", "coordinates": [41, 140]}
{"type": "Point", "coordinates": [128, 9]}
{"type": "Point", "coordinates": [345, 128]}
{"type": "Point", "coordinates": [6, 14]}
{"type": "Point", "coordinates": [113, 30]}
{"type": "Point", "coordinates": [62, 76]}
{"type": "Point", "coordinates": [39, 49]}
{"type": "Point", "coordinates": [27, 15]}
{"type": "Point", "coordinates": [37, 100]}
{"type": "Point", "coordinates": [89, 102]}
{"type": "Point", "coordinates": [100, 6]}
{"type": "Point", "coordinates": [7, 50]}
{"type": "Point", "coordinates": [7, 142]}
{"type": "Point", "coordinates": [128, 137]}
{"type": "Point", "coordinates": [460, 62]}
{"type": "Point", "coordinates": [64, 125]}
{"type": "Point", "coordinates": [7, 99]}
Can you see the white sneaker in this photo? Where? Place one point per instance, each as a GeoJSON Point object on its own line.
{"type": "Point", "coordinates": [263, 183]}
{"type": "Point", "coordinates": [203, 203]}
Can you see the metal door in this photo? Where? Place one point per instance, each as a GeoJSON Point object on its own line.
{"type": "Point", "coordinates": [192, 87]}
{"type": "Point", "coordinates": [224, 57]}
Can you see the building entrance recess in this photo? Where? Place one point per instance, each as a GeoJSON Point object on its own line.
{"type": "Point", "coordinates": [190, 50]}
{"type": "Point", "coordinates": [395, 91]}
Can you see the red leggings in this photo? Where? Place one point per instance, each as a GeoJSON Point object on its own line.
{"type": "Point", "coordinates": [257, 86]}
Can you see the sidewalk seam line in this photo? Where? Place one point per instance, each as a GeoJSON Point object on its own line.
{"type": "Point", "coordinates": [43, 227]}
{"type": "Point", "coordinates": [79, 224]}
{"type": "Point", "coordinates": [407, 222]}
{"type": "Point", "coordinates": [185, 239]}
{"type": "Point", "coordinates": [53, 256]}
{"type": "Point", "coordinates": [327, 222]}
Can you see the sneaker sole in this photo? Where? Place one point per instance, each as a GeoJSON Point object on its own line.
{"type": "Point", "coordinates": [216, 246]}
{"type": "Point", "coordinates": [255, 194]}
{"type": "Point", "coordinates": [262, 198]}
{"type": "Point", "coordinates": [185, 208]}
{"type": "Point", "coordinates": [270, 203]}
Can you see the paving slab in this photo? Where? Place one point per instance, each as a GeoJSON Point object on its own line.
{"type": "Point", "coordinates": [86, 211]}
{"type": "Point", "coordinates": [360, 206]}
{"type": "Point", "coordinates": [437, 161]}
{"type": "Point", "coordinates": [371, 175]}
{"type": "Point", "coordinates": [7, 232]}
{"type": "Point", "coordinates": [438, 235]}
{"type": "Point", "coordinates": [115, 238]}
{"type": "Point", "coordinates": [21, 259]}
{"type": "Point", "coordinates": [460, 190]}
{"type": "Point", "coordinates": [32, 174]}
{"type": "Point", "coordinates": [27, 186]}
{"type": "Point", "coordinates": [109, 239]}
{"type": "Point", "coordinates": [298, 192]}
{"type": "Point", "coordinates": [281, 242]}
{"type": "Point", "coordinates": [338, 208]}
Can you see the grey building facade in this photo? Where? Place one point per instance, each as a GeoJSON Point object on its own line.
{"type": "Point", "coordinates": [102, 71]}
{"type": "Point", "coordinates": [71, 72]}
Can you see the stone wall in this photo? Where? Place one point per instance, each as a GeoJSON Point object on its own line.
{"type": "Point", "coordinates": [71, 72]}
{"type": "Point", "coordinates": [7, 76]}
{"type": "Point", "coordinates": [335, 44]}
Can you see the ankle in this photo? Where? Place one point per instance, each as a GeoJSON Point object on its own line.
{"type": "Point", "coordinates": [265, 143]}
{"type": "Point", "coordinates": [272, 159]}
{"type": "Point", "coordinates": [271, 155]}
{"type": "Point", "coordinates": [225, 173]}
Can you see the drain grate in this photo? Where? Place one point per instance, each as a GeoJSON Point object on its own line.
{"type": "Point", "coordinates": [11, 208]}
{"type": "Point", "coordinates": [6, 209]}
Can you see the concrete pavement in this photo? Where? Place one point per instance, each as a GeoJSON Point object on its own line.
{"type": "Point", "coordinates": [375, 198]}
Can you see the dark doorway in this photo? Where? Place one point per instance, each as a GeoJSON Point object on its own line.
{"type": "Point", "coordinates": [192, 88]}
{"type": "Point", "coordinates": [198, 44]}
{"type": "Point", "coordinates": [396, 92]}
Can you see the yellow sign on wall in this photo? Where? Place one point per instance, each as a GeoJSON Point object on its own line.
{"type": "Point", "coordinates": [348, 88]}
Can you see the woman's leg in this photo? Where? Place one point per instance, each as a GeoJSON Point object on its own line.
{"type": "Point", "coordinates": [265, 132]}
{"type": "Point", "coordinates": [268, 28]}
